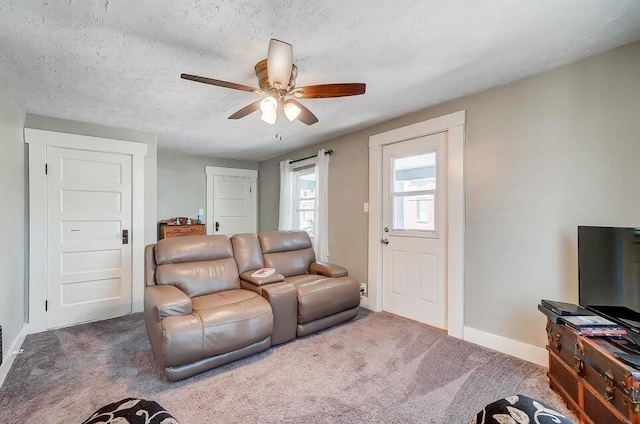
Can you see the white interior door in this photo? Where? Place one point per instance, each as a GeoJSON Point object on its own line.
{"type": "Point", "coordinates": [233, 208]}
{"type": "Point", "coordinates": [415, 229]}
{"type": "Point", "coordinates": [232, 201]}
{"type": "Point", "coordinates": [88, 258]}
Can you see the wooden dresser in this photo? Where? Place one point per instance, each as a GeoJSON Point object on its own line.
{"type": "Point", "coordinates": [167, 230]}
{"type": "Point", "coordinates": [598, 387]}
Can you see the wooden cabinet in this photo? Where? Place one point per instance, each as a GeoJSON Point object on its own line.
{"type": "Point", "coordinates": [598, 387]}
{"type": "Point", "coordinates": [167, 231]}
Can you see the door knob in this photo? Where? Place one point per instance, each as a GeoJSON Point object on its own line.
{"type": "Point", "coordinates": [125, 236]}
{"type": "Point", "coordinates": [386, 229]}
{"type": "Point", "coordinates": [384, 241]}
{"type": "Point", "coordinates": [217, 226]}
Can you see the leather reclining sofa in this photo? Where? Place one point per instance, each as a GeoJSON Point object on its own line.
{"type": "Point", "coordinates": [203, 308]}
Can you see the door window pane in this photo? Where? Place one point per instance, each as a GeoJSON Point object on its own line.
{"type": "Point", "coordinates": [414, 192]}
{"type": "Point", "coordinates": [414, 212]}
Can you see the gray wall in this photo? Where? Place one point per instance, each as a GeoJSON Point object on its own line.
{"type": "Point", "coordinates": [182, 182]}
{"type": "Point", "coordinates": [13, 216]}
{"type": "Point", "coordinates": [543, 155]}
{"type": "Point", "coordinates": [95, 130]}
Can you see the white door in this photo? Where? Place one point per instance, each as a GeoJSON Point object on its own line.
{"type": "Point", "coordinates": [415, 228]}
{"type": "Point", "coordinates": [232, 200]}
{"type": "Point", "coordinates": [233, 209]}
{"type": "Point", "coordinates": [88, 254]}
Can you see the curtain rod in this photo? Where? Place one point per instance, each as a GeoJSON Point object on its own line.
{"type": "Point", "coordinates": [326, 152]}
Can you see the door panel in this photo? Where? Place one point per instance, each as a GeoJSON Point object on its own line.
{"type": "Point", "coordinates": [88, 207]}
{"type": "Point", "coordinates": [414, 221]}
{"type": "Point", "coordinates": [232, 204]}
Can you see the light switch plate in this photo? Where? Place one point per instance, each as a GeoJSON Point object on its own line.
{"type": "Point", "coordinates": [366, 206]}
{"type": "Point", "coordinates": [200, 212]}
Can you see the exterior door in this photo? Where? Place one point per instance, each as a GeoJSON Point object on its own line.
{"type": "Point", "coordinates": [88, 251]}
{"type": "Point", "coordinates": [233, 208]}
{"type": "Point", "coordinates": [415, 229]}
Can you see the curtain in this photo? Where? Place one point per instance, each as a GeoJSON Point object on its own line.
{"type": "Point", "coordinates": [321, 238]}
{"type": "Point", "coordinates": [286, 216]}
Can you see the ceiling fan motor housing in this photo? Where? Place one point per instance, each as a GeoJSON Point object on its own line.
{"type": "Point", "coordinates": [263, 78]}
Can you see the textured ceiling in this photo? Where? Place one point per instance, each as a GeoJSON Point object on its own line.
{"type": "Point", "coordinates": [117, 62]}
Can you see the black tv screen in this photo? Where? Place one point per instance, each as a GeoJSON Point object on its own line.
{"type": "Point", "coordinates": [609, 272]}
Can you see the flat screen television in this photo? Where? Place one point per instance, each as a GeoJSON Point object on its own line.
{"type": "Point", "coordinates": [609, 273]}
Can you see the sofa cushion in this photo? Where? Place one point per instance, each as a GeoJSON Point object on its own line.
{"type": "Point", "coordinates": [290, 263]}
{"type": "Point", "coordinates": [220, 323]}
{"type": "Point", "coordinates": [216, 300]}
{"type": "Point", "coordinates": [200, 278]}
{"type": "Point", "coordinates": [320, 297]}
{"type": "Point", "coordinates": [289, 252]}
{"type": "Point", "coordinates": [284, 241]}
{"type": "Point", "coordinates": [246, 250]}
{"type": "Point", "coordinates": [232, 320]}
{"type": "Point", "coordinates": [192, 249]}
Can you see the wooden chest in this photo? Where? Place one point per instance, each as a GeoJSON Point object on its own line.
{"type": "Point", "coordinates": [167, 231]}
{"type": "Point", "coordinates": [598, 387]}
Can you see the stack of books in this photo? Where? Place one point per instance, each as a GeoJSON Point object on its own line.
{"type": "Point", "coordinates": [594, 326]}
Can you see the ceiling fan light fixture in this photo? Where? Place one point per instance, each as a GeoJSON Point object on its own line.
{"type": "Point", "coordinates": [279, 63]}
{"type": "Point", "coordinates": [269, 105]}
{"type": "Point", "coordinates": [291, 110]}
{"type": "Point", "coordinates": [269, 118]}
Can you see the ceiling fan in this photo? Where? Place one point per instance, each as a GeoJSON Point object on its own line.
{"type": "Point", "coordinates": [277, 80]}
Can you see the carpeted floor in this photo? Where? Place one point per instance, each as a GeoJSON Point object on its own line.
{"type": "Point", "coordinates": [377, 369]}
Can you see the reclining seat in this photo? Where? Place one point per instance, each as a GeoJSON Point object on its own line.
{"type": "Point", "coordinates": [326, 294]}
{"type": "Point", "coordinates": [196, 314]}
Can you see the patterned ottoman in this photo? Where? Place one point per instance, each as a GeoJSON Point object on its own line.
{"type": "Point", "coordinates": [519, 409]}
{"type": "Point", "coordinates": [132, 411]}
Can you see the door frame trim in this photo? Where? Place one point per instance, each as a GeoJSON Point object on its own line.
{"type": "Point", "coordinates": [210, 171]}
{"type": "Point", "coordinates": [454, 124]}
{"type": "Point", "coordinates": [38, 141]}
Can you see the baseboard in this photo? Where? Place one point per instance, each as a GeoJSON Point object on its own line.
{"type": "Point", "coordinates": [9, 357]}
{"type": "Point", "coordinates": [364, 302]}
{"type": "Point", "coordinates": [521, 350]}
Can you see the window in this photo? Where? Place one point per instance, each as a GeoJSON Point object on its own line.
{"type": "Point", "coordinates": [304, 194]}
{"type": "Point", "coordinates": [304, 180]}
{"type": "Point", "coordinates": [414, 192]}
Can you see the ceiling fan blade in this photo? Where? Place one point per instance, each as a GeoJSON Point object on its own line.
{"type": "Point", "coordinates": [306, 116]}
{"type": "Point", "coordinates": [246, 110]}
{"type": "Point", "coordinates": [279, 63]}
{"type": "Point", "coordinates": [325, 91]}
{"type": "Point", "coordinates": [220, 83]}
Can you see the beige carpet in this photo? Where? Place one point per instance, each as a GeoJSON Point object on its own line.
{"type": "Point", "coordinates": [376, 369]}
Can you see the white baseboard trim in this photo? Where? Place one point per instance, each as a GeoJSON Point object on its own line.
{"type": "Point", "coordinates": [9, 357]}
{"type": "Point", "coordinates": [364, 302]}
{"type": "Point", "coordinates": [521, 350]}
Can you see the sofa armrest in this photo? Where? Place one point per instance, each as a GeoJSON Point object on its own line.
{"type": "Point", "coordinates": [261, 281]}
{"type": "Point", "coordinates": [166, 300]}
{"type": "Point", "coordinates": [328, 270]}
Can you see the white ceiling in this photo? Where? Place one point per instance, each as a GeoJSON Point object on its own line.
{"type": "Point", "coordinates": [118, 62]}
